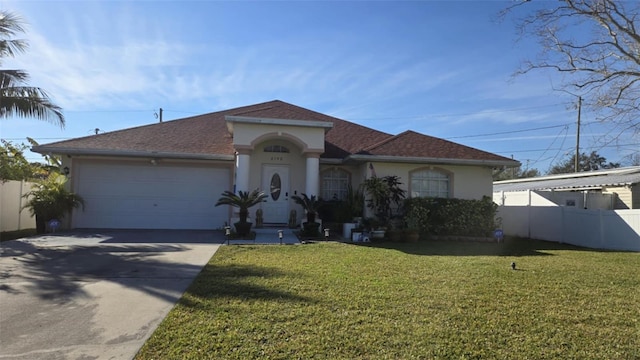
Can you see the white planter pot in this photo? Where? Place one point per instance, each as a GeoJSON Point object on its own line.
{"type": "Point", "coordinates": [346, 229]}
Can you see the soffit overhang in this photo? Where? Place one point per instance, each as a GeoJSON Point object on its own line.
{"type": "Point", "coordinates": [429, 160]}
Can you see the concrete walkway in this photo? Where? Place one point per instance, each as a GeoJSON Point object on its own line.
{"type": "Point", "coordinates": [99, 294]}
{"type": "Point", "coordinates": [94, 295]}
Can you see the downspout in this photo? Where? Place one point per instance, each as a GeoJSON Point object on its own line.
{"type": "Point", "coordinates": [235, 171]}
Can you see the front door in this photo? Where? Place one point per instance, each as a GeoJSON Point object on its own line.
{"type": "Point", "coordinates": [275, 182]}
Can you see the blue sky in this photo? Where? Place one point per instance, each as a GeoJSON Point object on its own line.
{"type": "Point", "coordinates": [442, 68]}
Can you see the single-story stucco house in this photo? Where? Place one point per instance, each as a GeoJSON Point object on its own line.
{"type": "Point", "coordinates": [607, 189]}
{"type": "Point", "coordinates": [169, 175]}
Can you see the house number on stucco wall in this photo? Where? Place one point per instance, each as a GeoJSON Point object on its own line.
{"type": "Point", "coordinates": [277, 158]}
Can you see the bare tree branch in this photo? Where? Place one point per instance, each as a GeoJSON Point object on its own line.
{"type": "Point", "coordinates": [596, 45]}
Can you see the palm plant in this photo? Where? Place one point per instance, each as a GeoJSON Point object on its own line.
{"type": "Point", "coordinates": [310, 204]}
{"type": "Point", "coordinates": [50, 200]}
{"type": "Point", "coordinates": [354, 201]}
{"type": "Point", "coordinates": [384, 193]}
{"type": "Point", "coordinates": [16, 97]}
{"type": "Point", "coordinates": [243, 201]}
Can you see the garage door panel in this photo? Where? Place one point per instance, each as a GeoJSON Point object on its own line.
{"type": "Point", "coordinates": [150, 197]}
{"type": "Point", "coordinates": [147, 205]}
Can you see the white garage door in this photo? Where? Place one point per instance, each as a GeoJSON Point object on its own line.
{"type": "Point", "coordinates": [140, 195]}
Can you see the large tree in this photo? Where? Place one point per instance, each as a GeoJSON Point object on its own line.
{"type": "Point", "coordinates": [15, 166]}
{"type": "Point", "coordinates": [595, 45]}
{"type": "Point", "coordinates": [514, 173]}
{"type": "Point", "coordinates": [17, 98]}
{"type": "Point", "coordinates": [586, 162]}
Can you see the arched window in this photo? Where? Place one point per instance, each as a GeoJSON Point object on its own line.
{"type": "Point", "coordinates": [276, 149]}
{"type": "Point", "coordinates": [430, 183]}
{"type": "Point", "coordinates": [334, 184]}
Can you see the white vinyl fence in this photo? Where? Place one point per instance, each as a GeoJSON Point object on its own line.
{"type": "Point", "coordinates": [600, 229]}
{"type": "Point", "coordinates": [12, 217]}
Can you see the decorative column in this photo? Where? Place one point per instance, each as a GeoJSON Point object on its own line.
{"type": "Point", "coordinates": [313, 174]}
{"type": "Point", "coordinates": [243, 162]}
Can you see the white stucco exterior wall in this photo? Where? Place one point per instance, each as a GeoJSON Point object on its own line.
{"type": "Point", "coordinates": [305, 137]}
{"type": "Point", "coordinates": [293, 159]}
{"type": "Point", "coordinates": [243, 168]}
{"type": "Point", "coordinates": [469, 182]}
{"type": "Point", "coordinates": [312, 175]}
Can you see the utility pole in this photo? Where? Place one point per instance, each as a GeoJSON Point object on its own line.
{"type": "Point", "coordinates": [577, 160]}
{"type": "Point", "coordinates": [158, 116]}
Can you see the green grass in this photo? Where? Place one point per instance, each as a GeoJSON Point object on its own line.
{"type": "Point", "coordinates": [12, 235]}
{"type": "Point", "coordinates": [430, 300]}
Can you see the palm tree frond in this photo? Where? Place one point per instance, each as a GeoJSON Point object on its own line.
{"type": "Point", "coordinates": [29, 102]}
{"type": "Point", "coordinates": [16, 98]}
{"type": "Point", "coordinates": [242, 200]}
{"type": "Point", "coordinates": [11, 25]}
{"type": "Point", "coordinates": [11, 78]}
{"type": "Point", "coordinates": [9, 48]}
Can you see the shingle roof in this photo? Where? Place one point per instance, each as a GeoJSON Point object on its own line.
{"type": "Point", "coordinates": [416, 145]}
{"type": "Point", "coordinates": [207, 134]}
{"type": "Point", "coordinates": [585, 180]}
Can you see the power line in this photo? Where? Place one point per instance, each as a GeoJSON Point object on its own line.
{"type": "Point", "coordinates": [182, 112]}
{"type": "Point", "coordinates": [24, 138]}
{"type": "Point", "coordinates": [566, 131]}
{"type": "Point", "coordinates": [517, 131]}
{"type": "Point", "coordinates": [554, 149]}
{"type": "Point", "coordinates": [561, 145]}
{"type": "Point", "coordinates": [508, 132]}
{"type": "Point", "coordinates": [106, 111]}
{"type": "Point", "coordinates": [459, 114]}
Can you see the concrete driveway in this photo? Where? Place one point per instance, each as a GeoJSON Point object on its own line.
{"type": "Point", "coordinates": [94, 295]}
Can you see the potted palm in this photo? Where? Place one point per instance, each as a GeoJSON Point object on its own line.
{"type": "Point", "coordinates": [311, 205]}
{"type": "Point", "coordinates": [243, 201]}
{"type": "Point", "coordinates": [50, 200]}
{"type": "Point", "coordinates": [354, 202]}
{"type": "Point", "coordinates": [354, 208]}
{"type": "Point", "coordinates": [384, 198]}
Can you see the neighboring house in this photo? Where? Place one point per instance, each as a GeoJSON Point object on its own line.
{"type": "Point", "coordinates": [602, 189]}
{"type": "Point", "coordinates": [169, 175]}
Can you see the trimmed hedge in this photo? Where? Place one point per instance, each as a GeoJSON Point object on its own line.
{"type": "Point", "coordinates": [453, 216]}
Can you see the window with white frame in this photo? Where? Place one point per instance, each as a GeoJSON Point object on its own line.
{"type": "Point", "coordinates": [276, 149]}
{"type": "Point", "coordinates": [430, 183]}
{"type": "Point", "coordinates": [335, 183]}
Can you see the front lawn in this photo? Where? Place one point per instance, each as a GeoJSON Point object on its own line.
{"type": "Point", "coordinates": [442, 300]}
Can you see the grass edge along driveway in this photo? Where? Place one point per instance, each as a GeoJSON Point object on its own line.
{"type": "Point", "coordinates": [430, 300]}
